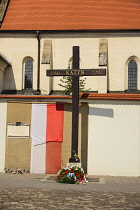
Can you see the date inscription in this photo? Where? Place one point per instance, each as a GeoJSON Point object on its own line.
{"type": "Point", "coordinates": [77, 72]}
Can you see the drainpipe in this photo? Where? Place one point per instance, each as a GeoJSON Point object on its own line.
{"type": "Point", "coordinates": [38, 64]}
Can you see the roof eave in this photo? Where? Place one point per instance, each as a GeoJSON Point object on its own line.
{"type": "Point", "coordinates": [85, 96]}
{"type": "Point", "coordinates": [74, 31]}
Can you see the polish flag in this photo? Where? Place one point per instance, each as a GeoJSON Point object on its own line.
{"type": "Point", "coordinates": [46, 127]}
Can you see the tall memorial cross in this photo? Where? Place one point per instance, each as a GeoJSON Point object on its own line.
{"type": "Point", "coordinates": [75, 72]}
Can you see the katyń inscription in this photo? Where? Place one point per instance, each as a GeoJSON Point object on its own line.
{"type": "Point", "coordinates": [75, 72]}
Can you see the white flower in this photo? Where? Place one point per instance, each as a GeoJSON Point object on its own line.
{"type": "Point", "coordinates": [71, 175]}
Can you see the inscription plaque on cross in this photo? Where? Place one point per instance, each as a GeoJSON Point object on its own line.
{"type": "Point", "coordinates": [75, 72]}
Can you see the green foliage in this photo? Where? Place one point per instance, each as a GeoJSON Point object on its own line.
{"type": "Point", "coordinates": [67, 85]}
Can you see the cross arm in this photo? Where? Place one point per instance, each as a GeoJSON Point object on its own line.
{"type": "Point", "coordinates": [76, 72]}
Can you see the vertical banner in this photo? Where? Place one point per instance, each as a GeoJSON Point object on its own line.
{"type": "Point", "coordinates": [54, 137]}
{"type": "Point", "coordinates": [53, 157]}
{"type": "Point", "coordinates": [39, 121]}
{"type": "Point", "coordinates": [38, 157]}
{"type": "Point", "coordinates": [47, 137]}
{"type": "Point", "coordinates": [55, 118]}
{"type": "Point", "coordinates": [38, 133]}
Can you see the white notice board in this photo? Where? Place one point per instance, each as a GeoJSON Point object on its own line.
{"type": "Point", "coordinates": [18, 131]}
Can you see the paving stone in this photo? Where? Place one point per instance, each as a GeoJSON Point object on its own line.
{"type": "Point", "coordinates": [28, 192]}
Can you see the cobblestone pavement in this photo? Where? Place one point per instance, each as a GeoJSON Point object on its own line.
{"type": "Point", "coordinates": [39, 192]}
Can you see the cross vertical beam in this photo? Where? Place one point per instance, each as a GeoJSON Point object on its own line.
{"type": "Point", "coordinates": [75, 102]}
{"type": "Point", "coordinates": [75, 73]}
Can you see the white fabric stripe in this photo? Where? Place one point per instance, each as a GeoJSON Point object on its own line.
{"type": "Point", "coordinates": [38, 159]}
{"type": "Point", "coordinates": [38, 130]}
{"type": "Point", "coordinates": [38, 133]}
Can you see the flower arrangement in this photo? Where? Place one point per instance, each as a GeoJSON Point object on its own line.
{"type": "Point", "coordinates": [18, 171]}
{"type": "Point", "coordinates": [71, 175]}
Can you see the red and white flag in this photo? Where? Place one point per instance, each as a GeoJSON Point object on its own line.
{"type": "Point", "coordinates": [47, 123]}
{"type": "Point", "coordinates": [47, 126]}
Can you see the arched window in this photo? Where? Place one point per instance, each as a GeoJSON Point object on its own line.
{"type": "Point", "coordinates": [132, 75]}
{"type": "Point", "coordinates": [28, 74]}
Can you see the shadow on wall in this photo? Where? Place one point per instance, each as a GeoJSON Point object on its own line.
{"type": "Point", "coordinates": [101, 112]}
{"type": "Point", "coordinates": [9, 80]}
{"type": "Point", "coordinates": [84, 135]}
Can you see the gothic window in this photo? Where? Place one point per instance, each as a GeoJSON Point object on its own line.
{"type": "Point", "coordinates": [132, 75]}
{"type": "Point", "coordinates": [28, 74]}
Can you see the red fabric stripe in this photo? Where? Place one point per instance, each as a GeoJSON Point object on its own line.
{"type": "Point", "coordinates": [53, 157]}
{"type": "Point", "coordinates": [55, 119]}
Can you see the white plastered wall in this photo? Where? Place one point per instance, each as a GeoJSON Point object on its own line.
{"type": "Point", "coordinates": [16, 48]}
{"type": "Point", "coordinates": [120, 48]}
{"type": "Point", "coordinates": [114, 139]}
{"type": "Point", "coordinates": [89, 53]}
{"type": "Point", "coordinates": [3, 114]}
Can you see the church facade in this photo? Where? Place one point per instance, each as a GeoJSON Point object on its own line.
{"type": "Point", "coordinates": [118, 54]}
{"type": "Point", "coordinates": [33, 42]}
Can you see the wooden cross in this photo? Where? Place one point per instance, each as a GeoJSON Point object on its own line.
{"type": "Point", "coordinates": [75, 72]}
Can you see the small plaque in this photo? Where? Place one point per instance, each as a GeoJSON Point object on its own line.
{"type": "Point", "coordinates": [102, 59]}
{"type": "Point", "coordinates": [74, 164]}
{"type": "Point", "coordinates": [18, 130]}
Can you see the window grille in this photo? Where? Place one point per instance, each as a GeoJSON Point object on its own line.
{"type": "Point", "coordinates": [132, 75]}
{"type": "Point", "coordinates": [28, 83]}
